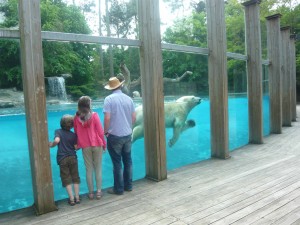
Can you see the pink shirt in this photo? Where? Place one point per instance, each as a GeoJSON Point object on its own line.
{"type": "Point", "coordinates": [90, 133]}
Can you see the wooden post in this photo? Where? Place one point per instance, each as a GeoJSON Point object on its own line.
{"type": "Point", "coordinates": [274, 42]}
{"type": "Point", "coordinates": [217, 73]}
{"type": "Point", "coordinates": [293, 78]}
{"type": "Point", "coordinates": [35, 105]}
{"type": "Point", "coordinates": [152, 89]}
{"type": "Point", "coordinates": [254, 69]}
{"type": "Point", "coordinates": [286, 77]}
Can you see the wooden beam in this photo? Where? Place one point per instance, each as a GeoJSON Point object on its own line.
{"type": "Point", "coordinates": [152, 89]}
{"type": "Point", "coordinates": [184, 48]}
{"type": "Point", "coordinates": [293, 78]}
{"type": "Point", "coordinates": [274, 42]}
{"type": "Point", "coordinates": [71, 37]}
{"type": "Point", "coordinates": [217, 75]}
{"type": "Point", "coordinates": [84, 38]}
{"type": "Point", "coordinates": [254, 70]}
{"type": "Point", "coordinates": [35, 105]}
{"type": "Point", "coordinates": [286, 77]}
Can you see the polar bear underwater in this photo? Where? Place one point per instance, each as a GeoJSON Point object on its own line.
{"type": "Point", "coordinates": [175, 117]}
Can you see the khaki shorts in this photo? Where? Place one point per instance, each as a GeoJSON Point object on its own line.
{"type": "Point", "coordinates": [69, 171]}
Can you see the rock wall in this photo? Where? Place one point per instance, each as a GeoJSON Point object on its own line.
{"type": "Point", "coordinates": [11, 98]}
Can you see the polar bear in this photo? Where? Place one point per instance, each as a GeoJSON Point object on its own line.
{"type": "Point", "coordinates": [175, 117]}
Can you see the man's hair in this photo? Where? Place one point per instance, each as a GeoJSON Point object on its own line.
{"type": "Point", "coordinates": [67, 122]}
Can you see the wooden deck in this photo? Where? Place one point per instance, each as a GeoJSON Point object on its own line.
{"type": "Point", "coordinates": [259, 184]}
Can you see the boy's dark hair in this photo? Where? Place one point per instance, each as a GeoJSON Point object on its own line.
{"type": "Point", "coordinates": [67, 122]}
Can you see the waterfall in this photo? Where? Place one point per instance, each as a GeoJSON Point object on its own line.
{"type": "Point", "coordinates": [57, 88]}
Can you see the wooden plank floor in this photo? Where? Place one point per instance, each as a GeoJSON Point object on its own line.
{"type": "Point", "coordinates": [259, 184]}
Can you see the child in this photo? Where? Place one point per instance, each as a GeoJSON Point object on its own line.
{"type": "Point", "coordinates": [67, 158]}
{"type": "Point", "coordinates": [88, 127]}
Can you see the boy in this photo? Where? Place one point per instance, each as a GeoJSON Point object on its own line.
{"type": "Point", "coordinates": [67, 158]}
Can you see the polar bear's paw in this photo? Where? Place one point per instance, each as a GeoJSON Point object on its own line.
{"type": "Point", "coordinates": [190, 123]}
{"type": "Point", "coordinates": [171, 143]}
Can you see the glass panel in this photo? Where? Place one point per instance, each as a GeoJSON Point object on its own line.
{"type": "Point", "coordinates": [16, 181]}
{"type": "Point", "coordinates": [9, 15]}
{"type": "Point", "coordinates": [14, 152]}
{"type": "Point", "coordinates": [237, 104]}
{"type": "Point", "coordinates": [183, 23]}
{"type": "Point", "coordinates": [73, 70]}
{"type": "Point", "coordinates": [69, 17]}
{"type": "Point", "coordinates": [235, 27]}
{"type": "Point", "coordinates": [186, 75]}
{"type": "Point", "coordinates": [83, 75]}
{"type": "Point", "coordinates": [264, 47]}
{"type": "Point", "coordinates": [266, 101]}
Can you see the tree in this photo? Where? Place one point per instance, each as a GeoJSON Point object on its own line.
{"type": "Point", "coordinates": [121, 18]}
{"type": "Point", "coordinates": [191, 31]}
{"type": "Point", "coordinates": [59, 58]}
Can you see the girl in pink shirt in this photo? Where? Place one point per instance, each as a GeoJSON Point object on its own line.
{"type": "Point", "coordinates": [90, 136]}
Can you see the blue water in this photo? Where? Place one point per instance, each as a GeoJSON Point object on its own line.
{"type": "Point", "coordinates": [192, 146]}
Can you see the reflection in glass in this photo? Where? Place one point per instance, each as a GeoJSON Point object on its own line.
{"type": "Point", "coordinates": [237, 104]}
{"type": "Point", "coordinates": [186, 75]}
{"type": "Point", "coordinates": [266, 101]}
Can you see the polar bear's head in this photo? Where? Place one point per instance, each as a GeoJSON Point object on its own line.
{"type": "Point", "coordinates": [136, 94]}
{"type": "Point", "coordinates": [190, 99]}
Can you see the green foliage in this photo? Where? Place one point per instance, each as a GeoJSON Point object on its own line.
{"type": "Point", "coordinates": [11, 14]}
{"type": "Point", "coordinates": [57, 16]}
{"type": "Point", "coordinates": [78, 91]}
{"type": "Point", "coordinates": [59, 58]}
{"type": "Point", "coordinates": [10, 70]}
{"type": "Point", "coordinates": [235, 29]}
{"type": "Point", "coordinates": [189, 31]}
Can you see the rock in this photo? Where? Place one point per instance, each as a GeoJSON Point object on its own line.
{"type": "Point", "coordinates": [53, 102]}
{"type": "Point", "coordinates": [66, 75]}
{"type": "Point", "coordinates": [6, 104]}
{"type": "Point", "coordinates": [11, 98]}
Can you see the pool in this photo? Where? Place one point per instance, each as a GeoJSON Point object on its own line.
{"type": "Point", "coordinates": [192, 146]}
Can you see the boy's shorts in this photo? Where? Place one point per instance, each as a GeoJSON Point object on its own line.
{"type": "Point", "coordinates": [69, 171]}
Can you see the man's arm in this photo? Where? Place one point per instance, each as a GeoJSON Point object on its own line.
{"type": "Point", "coordinates": [106, 122]}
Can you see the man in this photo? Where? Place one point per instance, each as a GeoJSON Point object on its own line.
{"type": "Point", "coordinates": [119, 117]}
